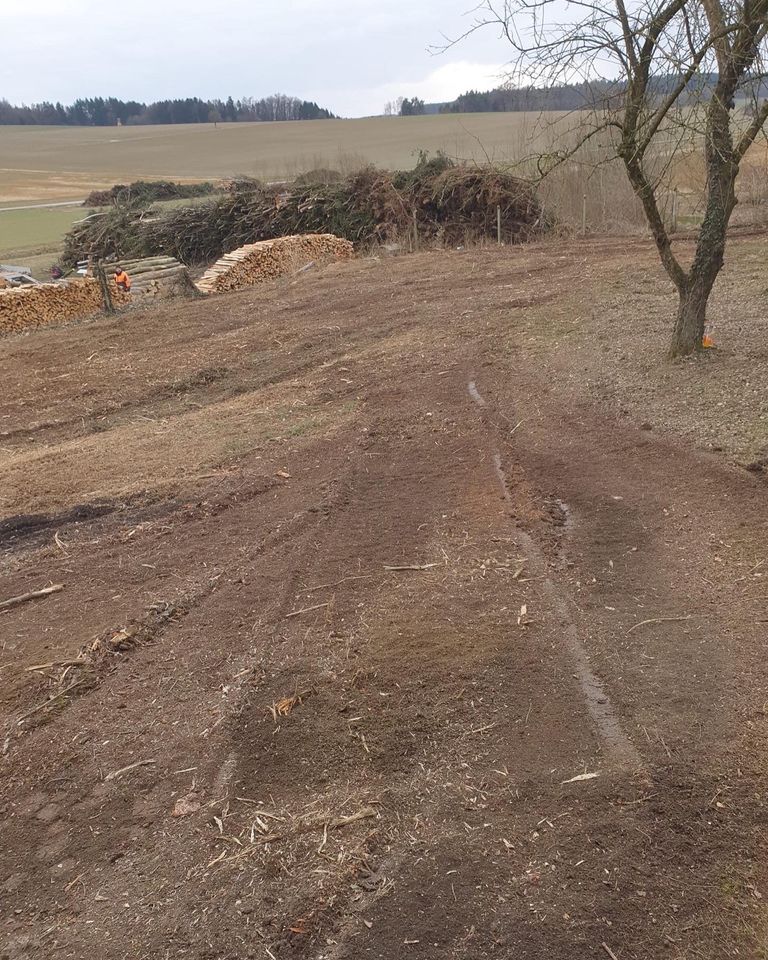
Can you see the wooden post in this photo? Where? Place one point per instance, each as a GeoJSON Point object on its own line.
{"type": "Point", "coordinates": [106, 294]}
{"type": "Point", "coordinates": [584, 215]}
{"type": "Point", "coordinates": [602, 198]}
{"type": "Point", "coordinates": [674, 210]}
{"type": "Point", "coordinates": [415, 232]}
{"type": "Point", "coordinates": [498, 225]}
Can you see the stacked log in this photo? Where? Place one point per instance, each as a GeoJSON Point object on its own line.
{"type": "Point", "coordinates": [258, 262]}
{"type": "Point", "coordinates": [47, 304]}
{"type": "Point", "coordinates": [154, 277]}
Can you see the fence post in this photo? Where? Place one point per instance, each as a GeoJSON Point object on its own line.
{"type": "Point", "coordinates": [415, 232]}
{"type": "Point", "coordinates": [584, 215]}
{"type": "Point", "coordinates": [106, 295]}
{"type": "Point", "coordinates": [498, 224]}
{"type": "Point", "coordinates": [602, 199]}
{"type": "Point", "coordinates": [674, 210]}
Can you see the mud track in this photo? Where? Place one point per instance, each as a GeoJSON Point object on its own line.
{"type": "Point", "coordinates": [440, 661]}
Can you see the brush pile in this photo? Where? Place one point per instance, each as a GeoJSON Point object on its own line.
{"type": "Point", "coordinates": [148, 191]}
{"type": "Point", "coordinates": [268, 259]}
{"type": "Point", "coordinates": [445, 203]}
{"type": "Point", "coordinates": [47, 304]}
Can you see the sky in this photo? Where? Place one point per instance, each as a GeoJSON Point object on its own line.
{"type": "Point", "coordinates": [350, 56]}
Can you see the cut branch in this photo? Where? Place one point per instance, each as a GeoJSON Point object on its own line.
{"type": "Point", "coordinates": [32, 595]}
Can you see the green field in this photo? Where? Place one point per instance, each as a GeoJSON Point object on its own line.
{"type": "Point", "coordinates": [32, 238]}
{"type": "Point", "coordinates": [26, 231]}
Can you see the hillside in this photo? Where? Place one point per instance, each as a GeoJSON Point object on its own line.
{"type": "Point", "coordinates": [409, 607]}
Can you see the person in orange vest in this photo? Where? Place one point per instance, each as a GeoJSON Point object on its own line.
{"type": "Point", "coordinates": [122, 280]}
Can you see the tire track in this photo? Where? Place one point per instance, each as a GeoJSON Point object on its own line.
{"type": "Point", "coordinates": [618, 745]}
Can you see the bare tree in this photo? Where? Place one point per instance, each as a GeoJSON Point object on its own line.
{"type": "Point", "coordinates": [666, 76]}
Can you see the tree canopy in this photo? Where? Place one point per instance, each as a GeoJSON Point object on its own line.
{"type": "Point", "coordinates": [107, 112]}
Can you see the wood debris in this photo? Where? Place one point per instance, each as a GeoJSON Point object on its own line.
{"type": "Point", "coordinates": [49, 701]}
{"type": "Point", "coordinates": [284, 707]}
{"type": "Point", "coordinates": [581, 777]}
{"type": "Point", "coordinates": [131, 766]}
{"type": "Point", "coordinates": [317, 606]}
{"type": "Point", "coordinates": [645, 623]}
{"type": "Point", "coordinates": [186, 805]}
{"type": "Point", "coordinates": [300, 828]}
{"type": "Point", "coordinates": [32, 595]}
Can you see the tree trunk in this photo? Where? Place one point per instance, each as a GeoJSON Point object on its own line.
{"type": "Point", "coordinates": [689, 326]}
{"type": "Point", "coordinates": [722, 169]}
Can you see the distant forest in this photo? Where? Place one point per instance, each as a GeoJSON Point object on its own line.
{"type": "Point", "coordinates": [101, 112]}
{"type": "Point", "coordinates": [509, 100]}
{"type": "Point", "coordinates": [579, 96]}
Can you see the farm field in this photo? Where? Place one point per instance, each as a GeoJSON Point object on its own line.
{"type": "Point", "coordinates": [38, 232]}
{"type": "Point", "coordinates": [51, 163]}
{"type": "Point", "coordinates": [413, 607]}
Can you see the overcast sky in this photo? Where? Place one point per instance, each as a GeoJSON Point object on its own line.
{"type": "Point", "coordinates": [349, 55]}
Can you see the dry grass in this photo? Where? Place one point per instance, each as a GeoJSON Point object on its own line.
{"type": "Point", "coordinates": [65, 162]}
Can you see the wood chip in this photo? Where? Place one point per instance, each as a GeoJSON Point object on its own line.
{"type": "Point", "coordinates": [644, 623]}
{"type": "Point", "coordinates": [131, 766]}
{"type": "Point", "coordinates": [582, 776]}
{"type": "Point", "coordinates": [317, 606]}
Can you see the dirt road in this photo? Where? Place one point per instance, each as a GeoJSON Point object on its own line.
{"type": "Point", "coordinates": [377, 638]}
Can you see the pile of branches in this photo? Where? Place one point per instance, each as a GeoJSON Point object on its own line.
{"type": "Point", "coordinates": [448, 203]}
{"type": "Point", "coordinates": [143, 192]}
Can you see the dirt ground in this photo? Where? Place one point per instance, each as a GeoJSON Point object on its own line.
{"type": "Point", "coordinates": [412, 608]}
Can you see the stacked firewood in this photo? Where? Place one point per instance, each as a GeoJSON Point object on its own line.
{"type": "Point", "coordinates": [268, 259]}
{"type": "Point", "coordinates": [48, 303]}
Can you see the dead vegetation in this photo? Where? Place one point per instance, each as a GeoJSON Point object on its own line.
{"type": "Point", "coordinates": [437, 202]}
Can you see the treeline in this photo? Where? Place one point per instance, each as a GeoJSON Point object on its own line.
{"type": "Point", "coordinates": [503, 100]}
{"type": "Point", "coordinates": [109, 111]}
{"type": "Point", "coordinates": [583, 96]}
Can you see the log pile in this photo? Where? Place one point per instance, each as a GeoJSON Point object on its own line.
{"type": "Point", "coordinates": [154, 278]}
{"type": "Point", "coordinates": [47, 304]}
{"type": "Point", "coordinates": [258, 262]}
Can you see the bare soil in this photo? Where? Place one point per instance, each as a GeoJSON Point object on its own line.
{"type": "Point", "coordinates": [413, 608]}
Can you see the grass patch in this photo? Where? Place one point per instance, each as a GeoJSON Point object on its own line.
{"type": "Point", "coordinates": [31, 233]}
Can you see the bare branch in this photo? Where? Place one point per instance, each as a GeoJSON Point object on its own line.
{"type": "Point", "coordinates": [750, 134]}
